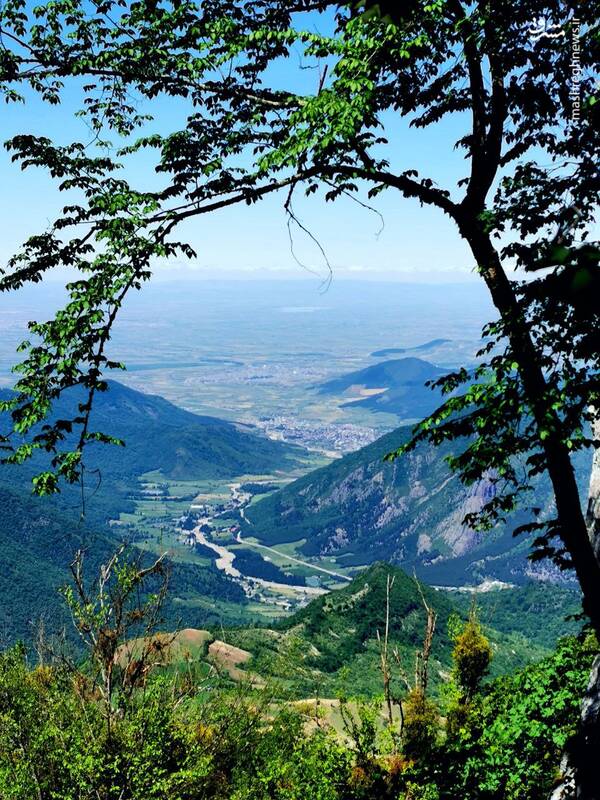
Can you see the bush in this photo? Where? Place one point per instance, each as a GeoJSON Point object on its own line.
{"type": "Point", "coordinates": [513, 734]}
{"type": "Point", "coordinates": [472, 655]}
{"type": "Point", "coordinates": [58, 743]}
{"type": "Point", "coordinates": [421, 725]}
{"type": "Point", "coordinates": [55, 744]}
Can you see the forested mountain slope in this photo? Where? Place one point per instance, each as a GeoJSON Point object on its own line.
{"type": "Point", "coordinates": [37, 544]}
{"type": "Point", "coordinates": [39, 536]}
{"type": "Point", "coordinates": [160, 435]}
{"type": "Point", "coordinates": [331, 645]}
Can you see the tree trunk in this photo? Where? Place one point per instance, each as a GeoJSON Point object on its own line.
{"type": "Point", "coordinates": [571, 519]}
{"type": "Point", "coordinates": [587, 770]}
{"type": "Point", "coordinates": [580, 534]}
{"type": "Point", "coordinates": [593, 508]}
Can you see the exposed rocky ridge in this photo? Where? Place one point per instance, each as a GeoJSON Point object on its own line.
{"type": "Point", "coordinates": [409, 512]}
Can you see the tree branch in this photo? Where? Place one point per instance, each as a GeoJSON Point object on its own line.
{"type": "Point", "coordinates": [476, 189]}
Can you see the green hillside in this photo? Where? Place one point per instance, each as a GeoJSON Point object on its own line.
{"type": "Point", "coordinates": [360, 509]}
{"type": "Point", "coordinates": [331, 644]}
{"type": "Point", "coordinates": [161, 436]}
{"type": "Point", "coordinates": [402, 384]}
{"type": "Point", "coordinates": [158, 436]}
{"type": "Point", "coordinates": [339, 624]}
{"type": "Point", "coordinates": [539, 611]}
{"type": "Point", "coordinates": [39, 536]}
{"type": "Point", "coordinates": [37, 543]}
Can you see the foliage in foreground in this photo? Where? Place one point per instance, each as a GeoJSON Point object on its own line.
{"type": "Point", "coordinates": [504, 741]}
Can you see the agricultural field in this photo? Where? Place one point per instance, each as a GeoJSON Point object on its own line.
{"type": "Point", "coordinates": [273, 578]}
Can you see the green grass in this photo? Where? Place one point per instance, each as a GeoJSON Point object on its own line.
{"type": "Point", "coordinates": [155, 532]}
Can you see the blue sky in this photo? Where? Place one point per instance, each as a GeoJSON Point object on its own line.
{"type": "Point", "coordinates": [416, 244]}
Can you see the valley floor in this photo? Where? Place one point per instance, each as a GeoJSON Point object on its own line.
{"type": "Point", "coordinates": [198, 522]}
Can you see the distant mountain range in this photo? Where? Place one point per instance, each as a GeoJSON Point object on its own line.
{"type": "Point", "coordinates": [396, 386]}
{"type": "Point", "coordinates": [421, 348]}
{"type": "Point", "coordinates": [361, 509]}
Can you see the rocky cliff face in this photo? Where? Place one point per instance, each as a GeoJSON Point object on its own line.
{"type": "Point", "coordinates": [361, 509]}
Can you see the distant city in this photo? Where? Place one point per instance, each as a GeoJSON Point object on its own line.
{"type": "Point", "coordinates": [335, 438]}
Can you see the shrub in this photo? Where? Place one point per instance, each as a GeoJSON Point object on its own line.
{"type": "Point", "coordinates": [421, 725]}
{"type": "Point", "coordinates": [472, 655]}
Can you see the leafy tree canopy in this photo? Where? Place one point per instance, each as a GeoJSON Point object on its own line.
{"type": "Point", "coordinates": [519, 76]}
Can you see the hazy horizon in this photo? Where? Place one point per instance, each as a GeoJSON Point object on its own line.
{"type": "Point", "coordinates": [249, 349]}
